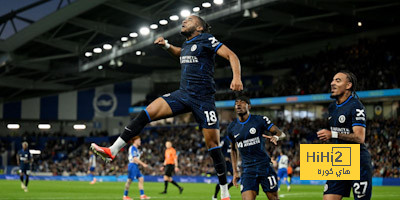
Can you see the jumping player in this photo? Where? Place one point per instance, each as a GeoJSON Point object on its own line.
{"type": "Point", "coordinates": [247, 134]}
{"type": "Point", "coordinates": [347, 121]}
{"type": "Point", "coordinates": [196, 93]}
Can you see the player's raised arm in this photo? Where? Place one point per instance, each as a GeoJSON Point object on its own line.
{"type": "Point", "coordinates": [173, 50]}
{"type": "Point", "coordinates": [225, 52]}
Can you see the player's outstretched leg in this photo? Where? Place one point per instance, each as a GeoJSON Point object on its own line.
{"type": "Point", "coordinates": [158, 109]}
{"type": "Point", "coordinates": [211, 137]}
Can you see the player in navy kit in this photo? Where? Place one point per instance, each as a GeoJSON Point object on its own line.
{"type": "Point", "coordinates": [196, 93]}
{"type": "Point", "coordinates": [247, 134]}
{"type": "Point", "coordinates": [347, 121]}
{"type": "Point", "coordinates": [24, 160]}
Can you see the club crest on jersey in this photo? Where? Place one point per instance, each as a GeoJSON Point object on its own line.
{"type": "Point", "coordinates": [342, 118]}
{"type": "Point", "coordinates": [194, 47]}
{"type": "Point", "coordinates": [252, 130]}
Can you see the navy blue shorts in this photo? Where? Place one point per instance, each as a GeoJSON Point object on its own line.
{"type": "Point", "coordinates": [92, 169]}
{"type": "Point", "coordinates": [267, 179]}
{"type": "Point", "coordinates": [204, 110]}
{"type": "Point", "coordinates": [133, 171]}
{"type": "Point", "coordinates": [25, 169]}
{"type": "Point", "coordinates": [362, 189]}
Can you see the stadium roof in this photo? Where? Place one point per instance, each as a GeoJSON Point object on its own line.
{"type": "Point", "coordinates": [47, 54]}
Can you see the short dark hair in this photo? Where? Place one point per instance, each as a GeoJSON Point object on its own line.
{"type": "Point", "coordinates": [243, 98]}
{"type": "Point", "coordinates": [204, 24]}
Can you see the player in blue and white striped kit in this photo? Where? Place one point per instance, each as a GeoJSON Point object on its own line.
{"type": "Point", "coordinates": [283, 163]}
{"type": "Point", "coordinates": [133, 169]}
{"type": "Point", "coordinates": [92, 166]}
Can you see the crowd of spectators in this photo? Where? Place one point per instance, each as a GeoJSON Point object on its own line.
{"type": "Point", "coordinates": [374, 62]}
{"type": "Point", "coordinates": [70, 156]}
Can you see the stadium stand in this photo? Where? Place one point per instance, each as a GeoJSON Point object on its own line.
{"type": "Point", "coordinates": [60, 157]}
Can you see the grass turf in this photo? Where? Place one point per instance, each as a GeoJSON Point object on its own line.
{"type": "Point", "coordinates": [60, 190]}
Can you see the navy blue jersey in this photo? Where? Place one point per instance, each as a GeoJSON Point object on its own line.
{"type": "Point", "coordinates": [248, 138]}
{"type": "Point", "coordinates": [24, 158]}
{"type": "Point", "coordinates": [226, 146]}
{"type": "Point", "coordinates": [197, 61]}
{"type": "Point", "coordinates": [342, 118]}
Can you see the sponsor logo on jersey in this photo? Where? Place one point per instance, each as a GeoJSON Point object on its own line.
{"type": "Point", "coordinates": [360, 114]}
{"type": "Point", "coordinates": [248, 142]}
{"type": "Point", "coordinates": [214, 42]}
{"type": "Point", "coordinates": [188, 59]}
{"type": "Point", "coordinates": [340, 130]}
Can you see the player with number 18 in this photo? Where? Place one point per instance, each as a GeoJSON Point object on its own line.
{"type": "Point", "coordinates": [196, 93]}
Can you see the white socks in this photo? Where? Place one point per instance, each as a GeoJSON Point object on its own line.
{"type": "Point", "coordinates": [118, 145]}
{"type": "Point", "coordinates": [224, 191]}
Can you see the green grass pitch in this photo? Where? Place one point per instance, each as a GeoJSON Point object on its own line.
{"type": "Point", "coordinates": [60, 190]}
